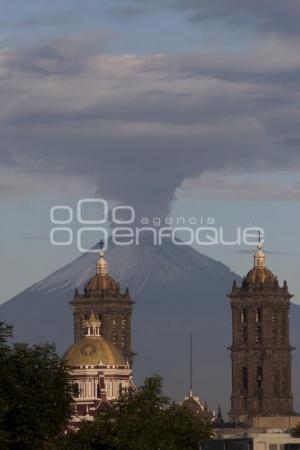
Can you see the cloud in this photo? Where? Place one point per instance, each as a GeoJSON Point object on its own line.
{"type": "Point", "coordinates": [60, 56]}
{"type": "Point", "coordinates": [16, 183]}
{"type": "Point", "coordinates": [37, 237]}
{"type": "Point", "coordinates": [272, 16]}
{"type": "Point", "coordinates": [58, 19]}
{"type": "Point", "coordinates": [137, 126]}
{"type": "Point", "coordinates": [236, 186]}
{"type": "Point", "coordinates": [130, 10]}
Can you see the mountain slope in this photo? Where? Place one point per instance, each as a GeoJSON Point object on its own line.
{"type": "Point", "coordinates": [177, 291]}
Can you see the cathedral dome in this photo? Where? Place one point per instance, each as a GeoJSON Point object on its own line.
{"type": "Point", "coordinates": [102, 282]}
{"type": "Point", "coordinates": [193, 404]}
{"type": "Point", "coordinates": [258, 275]}
{"type": "Point", "coordinates": [93, 351]}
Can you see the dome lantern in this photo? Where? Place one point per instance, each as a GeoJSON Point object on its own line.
{"type": "Point", "coordinates": [102, 265]}
{"type": "Point", "coordinates": [259, 257]}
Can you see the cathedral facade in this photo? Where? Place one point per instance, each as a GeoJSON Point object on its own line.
{"type": "Point", "coordinates": [261, 353]}
{"type": "Point", "coordinates": [100, 360]}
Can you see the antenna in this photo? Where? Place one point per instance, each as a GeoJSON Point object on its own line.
{"type": "Point", "coordinates": [191, 362]}
{"type": "Point", "coordinates": [101, 244]}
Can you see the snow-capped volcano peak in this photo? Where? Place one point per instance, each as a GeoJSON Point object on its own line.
{"type": "Point", "coordinates": [139, 266]}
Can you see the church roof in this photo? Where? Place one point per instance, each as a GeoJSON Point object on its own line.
{"type": "Point", "coordinates": [193, 404]}
{"type": "Point", "coordinates": [260, 275]}
{"type": "Point", "coordinates": [102, 282]}
{"type": "Point", "coordinates": [93, 351]}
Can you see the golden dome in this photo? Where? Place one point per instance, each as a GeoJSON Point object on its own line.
{"type": "Point", "coordinates": [93, 351]}
{"type": "Point", "coordinates": [193, 404]}
{"type": "Point", "coordinates": [99, 282]}
{"type": "Point", "coordinates": [258, 275]}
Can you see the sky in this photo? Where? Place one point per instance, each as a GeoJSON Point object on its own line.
{"type": "Point", "coordinates": [176, 107]}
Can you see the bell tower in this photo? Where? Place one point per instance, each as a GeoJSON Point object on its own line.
{"type": "Point", "coordinates": [110, 308]}
{"type": "Point", "coordinates": [261, 353]}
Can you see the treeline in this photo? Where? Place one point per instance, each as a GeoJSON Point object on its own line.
{"type": "Point", "coordinates": [36, 404]}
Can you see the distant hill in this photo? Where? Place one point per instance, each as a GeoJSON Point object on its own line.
{"type": "Point", "coordinates": [177, 291]}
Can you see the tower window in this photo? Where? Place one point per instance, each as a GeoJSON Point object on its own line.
{"type": "Point", "coordinates": [258, 335]}
{"type": "Point", "coordinates": [243, 315]}
{"type": "Point", "coordinates": [123, 323]}
{"type": "Point", "coordinates": [259, 378]}
{"type": "Point", "coordinates": [244, 378]}
{"type": "Point", "coordinates": [258, 315]}
{"type": "Point", "coordinates": [244, 335]}
{"type": "Point", "coordinates": [123, 340]}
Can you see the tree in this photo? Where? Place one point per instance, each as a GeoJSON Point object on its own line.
{"type": "Point", "coordinates": [35, 392]}
{"type": "Point", "coordinates": [141, 420]}
{"type": "Point", "coordinates": [5, 333]}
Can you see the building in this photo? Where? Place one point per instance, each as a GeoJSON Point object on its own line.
{"type": "Point", "coordinates": [253, 441]}
{"type": "Point", "coordinates": [261, 353]}
{"type": "Point", "coordinates": [201, 410]}
{"type": "Point", "coordinates": [99, 358]}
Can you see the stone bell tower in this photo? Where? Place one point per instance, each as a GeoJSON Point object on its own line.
{"type": "Point", "coordinates": [112, 309]}
{"type": "Point", "coordinates": [261, 353]}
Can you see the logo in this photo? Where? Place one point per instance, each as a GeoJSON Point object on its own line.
{"type": "Point", "coordinates": [126, 231]}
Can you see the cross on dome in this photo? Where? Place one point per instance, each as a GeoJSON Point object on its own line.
{"type": "Point", "coordinates": [102, 265]}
